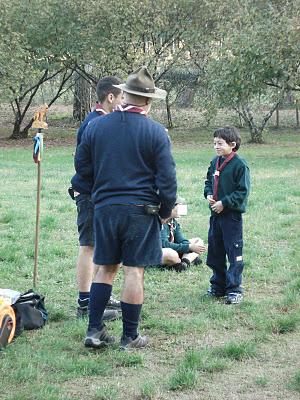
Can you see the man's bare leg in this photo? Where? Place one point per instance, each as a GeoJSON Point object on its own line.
{"type": "Point", "coordinates": [85, 268]}
{"type": "Point", "coordinates": [84, 273]}
{"type": "Point", "coordinates": [133, 286]}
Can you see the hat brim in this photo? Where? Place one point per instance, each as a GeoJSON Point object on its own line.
{"type": "Point", "coordinates": [158, 94]}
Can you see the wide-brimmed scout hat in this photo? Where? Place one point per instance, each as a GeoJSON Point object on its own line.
{"type": "Point", "coordinates": [141, 83]}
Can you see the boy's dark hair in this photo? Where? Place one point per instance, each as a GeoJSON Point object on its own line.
{"type": "Point", "coordinates": [229, 134]}
{"type": "Point", "coordinates": [105, 86]}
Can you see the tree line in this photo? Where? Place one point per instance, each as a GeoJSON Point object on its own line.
{"type": "Point", "coordinates": [232, 54]}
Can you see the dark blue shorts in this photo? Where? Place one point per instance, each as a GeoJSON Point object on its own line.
{"type": "Point", "coordinates": [85, 217]}
{"type": "Point", "coordinates": [125, 233]}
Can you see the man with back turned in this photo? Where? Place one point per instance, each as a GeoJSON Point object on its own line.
{"type": "Point", "coordinates": [129, 157]}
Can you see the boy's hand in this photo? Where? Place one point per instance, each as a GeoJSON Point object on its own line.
{"type": "Point", "coordinates": [198, 247]}
{"type": "Point", "coordinates": [210, 199]}
{"type": "Point", "coordinates": [217, 207]}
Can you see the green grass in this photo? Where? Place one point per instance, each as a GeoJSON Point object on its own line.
{"type": "Point", "coordinates": [204, 360]}
{"type": "Point", "coordinates": [236, 351]}
{"type": "Point", "coordinates": [194, 341]}
{"type": "Point", "coordinates": [183, 378]}
{"type": "Point", "coordinates": [148, 391]}
{"type": "Point", "coordinates": [295, 384]}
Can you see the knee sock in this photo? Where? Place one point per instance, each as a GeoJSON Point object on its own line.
{"type": "Point", "coordinates": [99, 296]}
{"type": "Point", "coordinates": [83, 299]}
{"type": "Point", "coordinates": [130, 316]}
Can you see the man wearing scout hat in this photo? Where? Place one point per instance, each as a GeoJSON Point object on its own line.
{"type": "Point", "coordinates": [134, 176]}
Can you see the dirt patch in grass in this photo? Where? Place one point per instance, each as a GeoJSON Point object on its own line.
{"type": "Point", "coordinates": [264, 377]}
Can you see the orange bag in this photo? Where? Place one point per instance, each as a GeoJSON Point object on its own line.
{"type": "Point", "coordinates": [7, 323]}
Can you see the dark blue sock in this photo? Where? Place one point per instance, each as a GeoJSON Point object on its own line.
{"type": "Point", "coordinates": [83, 299]}
{"type": "Point", "coordinates": [99, 296]}
{"type": "Point", "coordinates": [130, 316]}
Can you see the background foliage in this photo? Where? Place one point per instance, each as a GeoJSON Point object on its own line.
{"type": "Point", "coordinates": [236, 52]}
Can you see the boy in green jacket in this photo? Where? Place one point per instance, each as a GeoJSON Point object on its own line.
{"type": "Point", "coordinates": [226, 190]}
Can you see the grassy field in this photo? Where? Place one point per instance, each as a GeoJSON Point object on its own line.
{"type": "Point", "coordinates": [200, 348]}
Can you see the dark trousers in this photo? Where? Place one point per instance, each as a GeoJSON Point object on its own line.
{"type": "Point", "coordinates": [225, 238]}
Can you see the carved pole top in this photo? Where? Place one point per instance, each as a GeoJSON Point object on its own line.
{"type": "Point", "coordinates": [39, 116]}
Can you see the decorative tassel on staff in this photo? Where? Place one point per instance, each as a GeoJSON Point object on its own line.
{"type": "Point", "coordinates": [39, 124]}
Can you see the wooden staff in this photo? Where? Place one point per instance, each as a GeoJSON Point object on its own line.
{"type": "Point", "coordinates": [38, 122]}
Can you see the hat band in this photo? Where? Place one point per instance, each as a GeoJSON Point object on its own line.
{"type": "Point", "coordinates": [139, 89]}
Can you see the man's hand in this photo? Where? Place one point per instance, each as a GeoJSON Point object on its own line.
{"type": "Point", "coordinates": [217, 207]}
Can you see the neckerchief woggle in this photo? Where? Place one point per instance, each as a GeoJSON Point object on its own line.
{"type": "Point", "coordinates": [99, 108]}
{"type": "Point", "coordinates": [130, 108]}
{"type": "Point", "coordinates": [218, 171]}
{"type": "Point", "coordinates": [172, 228]}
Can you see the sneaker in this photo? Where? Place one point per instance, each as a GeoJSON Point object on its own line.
{"type": "Point", "coordinates": [127, 343]}
{"type": "Point", "coordinates": [113, 303]}
{"type": "Point", "coordinates": [108, 315]}
{"type": "Point", "coordinates": [182, 266]}
{"type": "Point", "coordinates": [197, 261]}
{"type": "Point", "coordinates": [97, 339]}
{"type": "Point", "coordinates": [214, 293]}
{"type": "Point", "coordinates": [234, 298]}
{"type": "Point", "coordinates": [186, 261]}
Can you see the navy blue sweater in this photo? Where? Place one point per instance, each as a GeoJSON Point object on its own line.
{"type": "Point", "coordinates": [128, 157]}
{"type": "Point", "coordinates": [80, 184]}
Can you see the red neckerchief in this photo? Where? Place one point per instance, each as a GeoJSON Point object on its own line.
{"type": "Point", "coordinates": [172, 228]}
{"type": "Point", "coordinates": [218, 171]}
{"type": "Point", "coordinates": [99, 108]}
{"type": "Point", "coordinates": [131, 108]}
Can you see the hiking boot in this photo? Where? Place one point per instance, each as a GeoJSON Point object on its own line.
{"type": "Point", "coordinates": [127, 343]}
{"type": "Point", "coordinates": [214, 293]}
{"type": "Point", "coordinates": [98, 338]}
{"type": "Point", "coordinates": [82, 312]}
{"type": "Point", "coordinates": [108, 315]}
{"type": "Point", "coordinates": [233, 298]}
{"type": "Point", "coordinates": [113, 303]}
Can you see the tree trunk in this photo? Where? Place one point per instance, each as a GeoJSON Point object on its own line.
{"type": "Point", "coordinates": [17, 134]}
{"type": "Point", "coordinates": [256, 134]}
{"type": "Point", "coordinates": [82, 98]}
{"type": "Point", "coordinates": [169, 115]}
{"type": "Point", "coordinates": [277, 117]}
{"type": "Point", "coordinates": [297, 113]}
{"type": "Point", "coordinates": [256, 131]}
